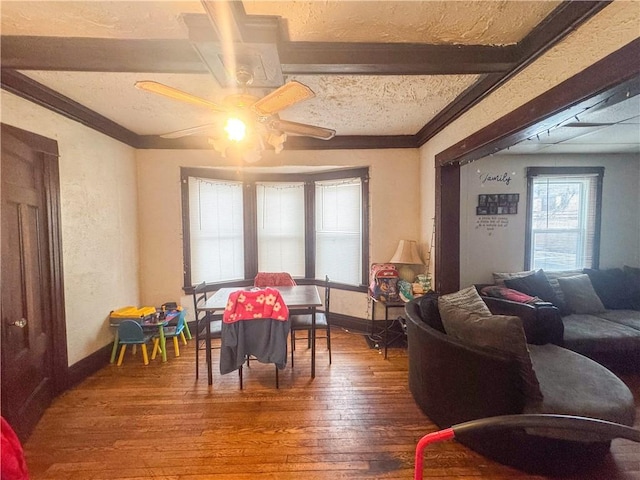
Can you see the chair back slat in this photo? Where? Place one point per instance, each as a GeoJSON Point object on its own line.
{"type": "Point", "coordinates": [130, 331]}
{"type": "Point", "coordinates": [273, 279]}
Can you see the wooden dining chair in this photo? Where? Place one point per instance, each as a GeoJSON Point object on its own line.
{"type": "Point", "coordinates": [304, 322]}
{"type": "Point", "coordinates": [200, 296]}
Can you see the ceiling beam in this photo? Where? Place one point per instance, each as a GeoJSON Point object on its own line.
{"type": "Point", "coordinates": [394, 58]}
{"type": "Point", "coordinates": [74, 54]}
{"type": "Point", "coordinates": [29, 89]}
{"type": "Point", "coordinates": [563, 20]}
{"type": "Point", "coordinates": [615, 75]}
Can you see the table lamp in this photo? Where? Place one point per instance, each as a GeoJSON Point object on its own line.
{"type": "Point", "coordinates": [407, 255]}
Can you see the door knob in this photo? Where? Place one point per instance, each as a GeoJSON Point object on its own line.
{"type": "Point", "coordinates": [19, 323]}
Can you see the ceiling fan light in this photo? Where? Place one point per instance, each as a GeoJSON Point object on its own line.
{"type": "Point", "coordinates": [277, 141]}
{"type": "Point", "coordinates": [236, 129]}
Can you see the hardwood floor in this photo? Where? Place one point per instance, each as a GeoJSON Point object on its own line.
{"type": "Point", "coordinates": [356, 420]}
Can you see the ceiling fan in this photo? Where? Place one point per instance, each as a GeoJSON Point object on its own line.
{"type": "Point", "coordinates": [247, 116]}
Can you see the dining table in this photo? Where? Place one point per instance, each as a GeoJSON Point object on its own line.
{"type": "Point", "coordinates": [299, 297]}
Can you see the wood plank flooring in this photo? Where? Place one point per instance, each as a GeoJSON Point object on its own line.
{"type": "Point", "coordinates": [356, 420]}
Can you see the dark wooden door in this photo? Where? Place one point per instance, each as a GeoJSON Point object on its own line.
{"type": "Point", "coordinates": [28, 319]}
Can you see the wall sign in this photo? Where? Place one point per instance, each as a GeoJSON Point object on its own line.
{"type": "Point", "coordinates": [498, 204]}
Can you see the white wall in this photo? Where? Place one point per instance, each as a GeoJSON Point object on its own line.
{"type": "Point", "coordinates": [394, 190]}
{"type": "Point", "coordinates": [612, 28]}
{"type": "Point", "coordinates": [99, 223]}
{"type": "Point", "coordinates": [495, 243]}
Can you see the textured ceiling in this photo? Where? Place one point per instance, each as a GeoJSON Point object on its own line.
{"type": "Point", "coordinates": [352, 104]}
{"type": "Point", "coordinates": [495, 22]}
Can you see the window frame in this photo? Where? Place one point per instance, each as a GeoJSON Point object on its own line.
{"type": "Point", "coordinates": [249, 180]}
{"type": "Point", "coordinates": [533, 172]}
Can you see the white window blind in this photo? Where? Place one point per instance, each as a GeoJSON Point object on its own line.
{"type": "Point", "coordinates": [280, 228]}
{"type": "Point", "coordinates": [339, 230]}
{"type": "Point", "coordinates": [216, 230]}
{"type": "Point", "coordinates": [563, 222]}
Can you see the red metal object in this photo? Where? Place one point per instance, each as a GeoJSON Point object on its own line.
{"type": "Point", "coordinates": [446, 434]}
{"type": "Point", "coordinates": [564, 422]}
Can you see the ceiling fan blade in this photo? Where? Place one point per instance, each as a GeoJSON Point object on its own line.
{"type": "Point", "coordinates": [174, 93]}
{"type": "Point", "coordinates": [189, 131]}
{"type": "Point", "coordinates": [303, 129]}
{"type": "Point", "coordinates": [281, 98]}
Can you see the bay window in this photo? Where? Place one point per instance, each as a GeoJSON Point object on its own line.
{"type": "Point", "coordinates": [310, 225]}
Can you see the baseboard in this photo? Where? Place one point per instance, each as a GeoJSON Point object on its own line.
{"type": "Point", "coordinates": [99, 359]}
{"type": "Point", "coordinates": [86, 367]}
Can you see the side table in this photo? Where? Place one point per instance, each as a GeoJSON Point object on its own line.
{"type": "Point", "coordinates": [387, 306]}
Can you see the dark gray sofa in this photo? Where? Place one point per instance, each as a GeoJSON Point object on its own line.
{"type": "Point", "coordinates": [453, 382]}
{"type": "Point", "coordinates": [609, 335]}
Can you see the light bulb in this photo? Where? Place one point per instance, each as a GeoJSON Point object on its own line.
{"type": "Point", "coordinates": [236, 129]}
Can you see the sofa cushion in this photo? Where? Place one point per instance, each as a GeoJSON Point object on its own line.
{"type": "Point", "coordinates": [500, 332]}
{"type": "Point", "coordinates": [588, 334]}
{"type": "Point", "coordinates": [500, 277]}
{"type": "Point", "coordinates": [554, 275]}
{"type": "Point", "coordinates": [612, 287]}
{"type": "Point", "coordinates": [468, 299]}
{"type": "Point", "coordinates": [506, 293]}
{"type": "Point", "coordinates": [572, 384]}
{"type": "Point", "coordinates": [429, 312]}
{"type": "Point", "coordinates": [632, 276]}
{"type": "Point", "coordinates": [629, 318]}
{"type": "Point", "coordinates": [579, 294]}
{"type": "Point", "coordinates": [537, 285]}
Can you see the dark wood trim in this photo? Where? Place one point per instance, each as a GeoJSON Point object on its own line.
{"type": "Point", "coordinates": [75, 54]}
{"type": "Point", "coordinates": [559, 23]}
{"type": "Point", "coordinates": [528, 224]}
{"type": "Point", "coordinates": [186, 233]}
{"type": "Point", "coordinates": [262, 33]}
{"type": "Point", "coordinates": [447, 265]}
{"type": "Point", "coordinates": [356, 325]}
{"type": "Point", "coordinates": [37, 93]}
{"type": "Point", "coordinates": [351, 142]}
{"type": "Point", "coordinates": [49, 149]}
{"type": "Point", "coordinates": [305, 58]}
{"type": "Point", "coordinates": [80, 371]}
{"type": "Point", "coordinates": [366, 199]}
{"type": "Point", "coordinates": [609, 78]}
{"type": "Point", "coordinates": [564, 19]}
{"type": "Point", "coordinates": [309, 228]}
{"type": "Point", "coordinates": [594, 84]}
{"type": "Point", "coordinates": [57, 307]}
{"type": "Point", "coordinates": [341, 142]}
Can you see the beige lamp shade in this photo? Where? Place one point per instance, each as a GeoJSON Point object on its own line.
{"type": "Point", "coordinates": [407, 254]}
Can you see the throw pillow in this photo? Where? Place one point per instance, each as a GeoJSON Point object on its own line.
{"type": "Point", "coordinates": [468, 299]}
{"type": "Point", "coordinates": [580, 295]}
{"type": "Point", "coordinates": [537, 285]}
{"type": "Point", "coordinates": [429, 312]}
{"type": "Point", "coordinates": [500, 332]}
{"type": "Point", "coordinates": [500, 277]}
{"type": "Point", "coordinates": [632, 278]}
{"type": "Point", "coordinates": [553, 277]}
{"type": "Point", "coordinates": [611, 286]}
{"type": "Point", "coordinates": [507, 294]}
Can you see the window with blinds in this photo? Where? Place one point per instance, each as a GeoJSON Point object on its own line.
{"type": "Point", "coordinates": [563, 218]}
{"type": "Point", "coordinates": [310, 225]}
{"type": "Point", "coordinates": [339, 230]}
{"type": "Point", "coordinates": [216, 230]}
{"type": "Point", "coordinates": [280, 228]}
